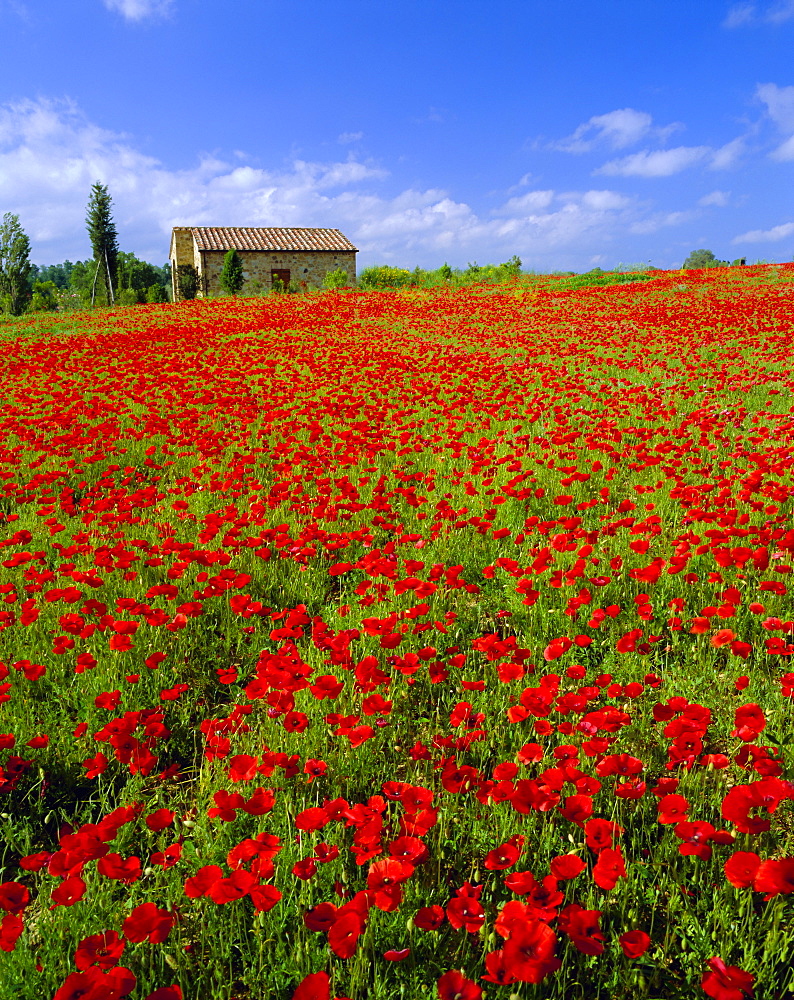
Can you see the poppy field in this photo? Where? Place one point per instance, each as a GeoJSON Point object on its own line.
{"type": "Point", "coordinates": [401, 645]}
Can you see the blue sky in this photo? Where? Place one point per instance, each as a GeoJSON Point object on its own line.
{"type": "Point", "coordinates": [571, 134]}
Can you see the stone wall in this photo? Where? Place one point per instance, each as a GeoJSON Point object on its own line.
{"type": "Point", "coordinates": [309, 267]}
{"type": "Point", "coordinates": [182, 252]}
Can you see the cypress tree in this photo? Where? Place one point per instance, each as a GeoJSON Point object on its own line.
{"type": "Point", "coordinates": [232, 274]}
{"type": "Point", "coordinates": [104, 239]}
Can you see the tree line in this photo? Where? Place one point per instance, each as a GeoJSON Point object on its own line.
{"type": "Point", "coordinates": [110, 277]}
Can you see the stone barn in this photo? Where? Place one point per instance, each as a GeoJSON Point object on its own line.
{"type": "Point", "coordinates": [303, 256]}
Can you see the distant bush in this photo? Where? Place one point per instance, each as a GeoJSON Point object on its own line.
{"type": "Point", "coordinates": [337, 278]}
{"type": "Point", "coordinates": [702, 258]}
{"type": "Point", "coordinates": [387, 276]}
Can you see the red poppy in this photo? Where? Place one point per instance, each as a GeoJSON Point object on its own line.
{"type": "Point", "coordinates": [103, 950]}
{"type": "Point", "coordinates": [14, 897]}
{"type": "Point", "coordinates": [583, 927]}
{"type": "Point", "coordinates": [775, 877]}
{"type": "Point", "coordinates": [94, 984]}
{"type": "Point", "coordinates": [502, 857]}
{"type": "Point", "coordinates": [454, 985]}
{"type": "Point", "coordinates": [726, 982]}
{"type": "Point", "coordinates": [566, 866]}
{"type": "Point", "coordinates": [429, 918]}
{"type": "Point", "coordinates": [344, 934]}
{"type": "Point", "coordinates": [264, 897]}
{"type": "Point", "coordinates": [126, 870]}
{"type": "Point", "coordinates": [529, 952]}
{"type": "Point", "coordinates": [314, 818]}
{"type": "Point", "coordinates": [398, 955]}
{"type": "Point", "coordinates": [173, 992]}
{"type": "Point", "coordinates": [201, 883]}
{"type": "Point", "coordinates": [741, 868]}
{"type": "Point", "coordinates": [148, 923]}
{"type": "Point", "coordinates": [672, 809]}
{"type": "Point", "coordinates": [315, 986]}
{"type": "Point", "coordinates": [465, 912]}
{"type": "Point", "coordinates": [160, 819]}
{"type": "Point", "coordinates": [634, 943]}
{"type": "Point", "coordinates": [69, 892]}
{"type": "Point", "coordinates": [11, 927]}
{"type": "Point", "coordinates": [609, 868]}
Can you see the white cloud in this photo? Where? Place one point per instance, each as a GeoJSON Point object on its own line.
{"type": "Point", "coordinates": [615, 129]}
{"type": "Point", "coordinates": [140, 10]}
{"type": "Point", "coordinates": [718, 198]}
{"type": "Point", "coordinates": [742, 14]}
{"type": "Point", "coordinates": [785, 151]}
{"type": "Point", "coordinates": [766, 235]}
{"type": "Point", "coordinates": [347, 137]}
{"type": "Point", "coordinates": [51, 153]}
{"type": "Point", "coordinates": [726, 156]}
{"type": "Point", "coordinates": [656, 163]}
{"type": "Point", "coordinates": [661, 220]}
{"type": "Point", "coordinates": [532, 201]}
{"type": "Point", "coordinates": [779, 103]}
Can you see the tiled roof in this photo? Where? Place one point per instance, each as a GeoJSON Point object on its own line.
{"type": "Point", "coordinates": [246, 238]}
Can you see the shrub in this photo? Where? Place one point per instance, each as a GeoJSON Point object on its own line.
{"type": "Point", "coordinates": [45, 297]}
{"type": "Point", "coordinates": [338, 278]}
{"type": "Point", "coordinates": [385, 276]}
{"type": "Point", "coordinates": [187, 281]}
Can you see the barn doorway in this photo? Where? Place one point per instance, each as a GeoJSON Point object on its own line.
{"type": "Point", "coordinates": [280, 274]}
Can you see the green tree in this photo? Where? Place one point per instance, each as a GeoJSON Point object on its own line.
{"type": "Point", "coordinates": [702, 258]}
{"type": "Point", "coordinates": [15, 266]}
{"type": "Point", "coordinates": [232, 274]}
{"type": "Point", "coordinates": [104, 240]}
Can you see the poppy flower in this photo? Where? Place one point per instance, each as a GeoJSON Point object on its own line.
{"type": "Point", "coordinates": [69, 892]}
{"type": "Point", "coordinates": [94, 983]}
{"type": "Point", "coordinates": [126, 870]}
{"type": "Point", "coordinates": [454, 985]}
{"type": "Point", "coordinates": [726, 982]}
{"type": "Point", "coordinates": [320, 917]}
{"type": "Point", "coordinates": [344, 934]}
{"type": "Point", "coordinates": [398, 955]}
{"type": "Point", "coordinates": [14, 897]}
{"type": "Point", "coordinates": [173, 992]}
{"type": "Point", "coordinates": [11, 927]}
{"type": "Point", "coordinates": [200, 883]}
{"type": "Point", "coordinates": [429, 918]}
{"type": "Point", "coordinates": [634, 943]}
{"type": "Point", "coordinates": [529, 952]}
{"type": "Point", "coordinates": [672, 809]}
{"type": "Point", "coordinates": [264, 897]}
{"type": "Point", "coordinates": [103, 950]}
{"type": "Point", "coordinates": [315, 986]}
{"type": "Point", "coordinates": [609, 868]}
{"type": "Point", "coordinates": [465, 912]}
{"type": "Point", "coordinates": [583, 927]}
{"type": "Point", "coordinates": [741, 868]}
{"type": "Point", "coordinates": [566, 866]}
{"type": "Point", "coordinates": [775, 877]}
{"type": "Point", "coordinates": [502, 857]}
{"type": "Point", "coordinates": [148, 923]}
{"type": "Point", "coordinates": [160, 819]}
